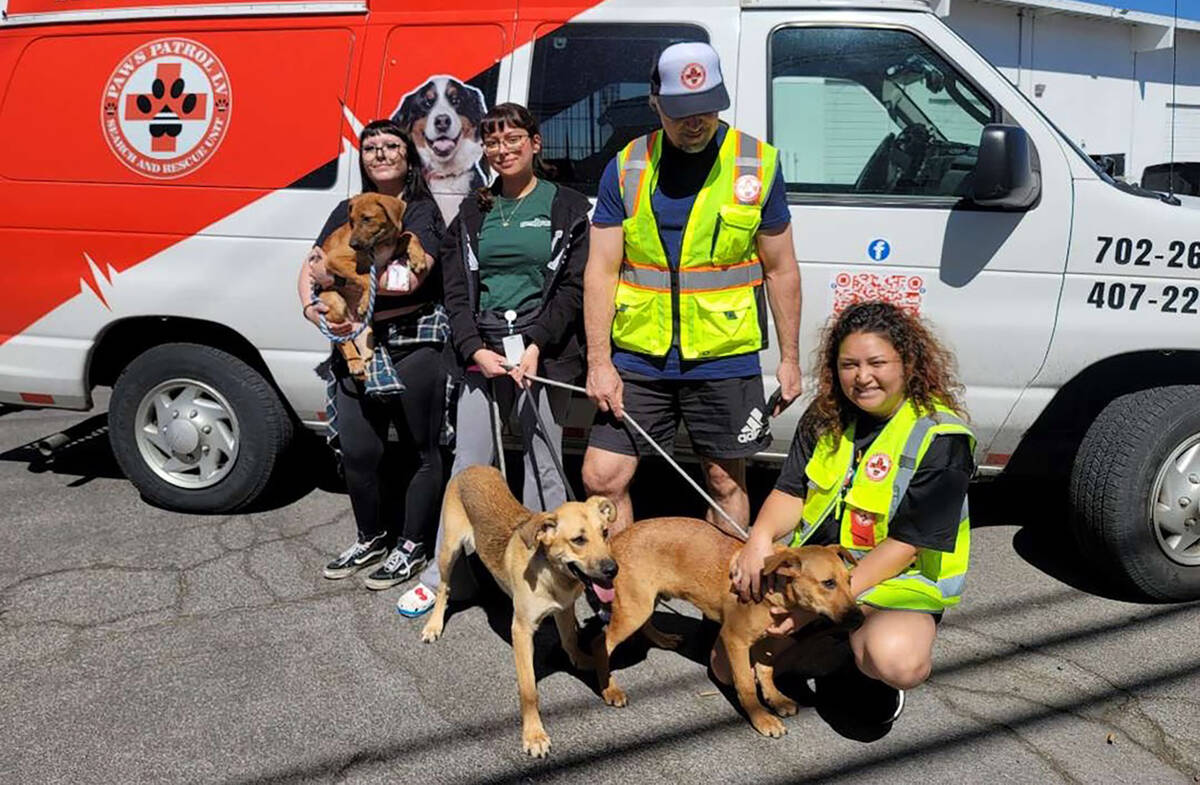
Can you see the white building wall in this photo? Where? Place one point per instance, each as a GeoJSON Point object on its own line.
{"type": "Point", "coordinates": [1108, 97]}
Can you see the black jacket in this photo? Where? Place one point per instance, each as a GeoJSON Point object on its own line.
{"type": "Point", "coordinates": [557, 328]}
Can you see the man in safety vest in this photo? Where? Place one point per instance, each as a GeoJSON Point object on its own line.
{"type": "Point", "coordinates": [691, 226]}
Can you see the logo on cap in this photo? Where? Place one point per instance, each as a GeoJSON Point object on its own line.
{"type": "Point", "coordinates": [747, 188]}
{"type": "Point", "coordinates": [693, 76]}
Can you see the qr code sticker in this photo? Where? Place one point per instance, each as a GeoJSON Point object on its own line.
{"type": "Point", "coordinates": [903, 291]}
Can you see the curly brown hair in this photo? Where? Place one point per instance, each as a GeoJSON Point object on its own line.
{"type": "Point", "coordinates": [929, 367]}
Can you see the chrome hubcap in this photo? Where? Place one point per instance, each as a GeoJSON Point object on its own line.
{"type": "Point", "coordinates": [187, 433]}
{"type": "Point", "coordinates": [1175, 503]}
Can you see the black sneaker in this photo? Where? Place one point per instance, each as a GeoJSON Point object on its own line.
{"type": "Point", "coordinates": [404, 562]}
{"type": "Point", "coordinates": [856, 705]}
{"type": "Point", "coordinates": [360, 555]}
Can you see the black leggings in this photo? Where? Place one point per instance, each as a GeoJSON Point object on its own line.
{"type": "Point", "coordinates": [362, 424]}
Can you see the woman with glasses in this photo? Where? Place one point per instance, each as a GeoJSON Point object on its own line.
{"type": "Point", "coordinates": [512, 266]}
{"type": "Point", "coordinates": [410, 325]}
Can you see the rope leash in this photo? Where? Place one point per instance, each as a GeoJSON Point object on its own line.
{"type": "Point", "coordinates": [711, 502]}
{"type": "Point", "coordinates": [324, 326]}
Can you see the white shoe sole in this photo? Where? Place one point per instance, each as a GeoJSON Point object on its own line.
{"type": "Point", "coordinates": [346, 572]}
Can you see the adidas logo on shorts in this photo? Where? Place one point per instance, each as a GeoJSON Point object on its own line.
{"type": "Point", "coordinates": [754, 427]}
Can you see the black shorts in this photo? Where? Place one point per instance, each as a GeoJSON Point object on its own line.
{"type": "Point", "coordinates": [725, 418]}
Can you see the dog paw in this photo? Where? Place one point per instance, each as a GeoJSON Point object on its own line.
{"type": "Point", "coordinates": [536, 743]}
{"type": "Point", "coordinates": [614, 696]}
{"type": "Point", "coordinates": [784, 706]}
{"type": "Point", "coordinates": [431, 632]}
{"type": "Point", "coordinates": [768, 725]}
{"type": "Point", "coordinates": [357, 369]}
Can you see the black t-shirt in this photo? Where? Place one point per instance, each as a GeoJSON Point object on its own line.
{"type": "Point", "coordinates": [422, 218]}
{"type": "Point", "coordinates": [929, 513]}
{"type": "Point", "coordinates": [681, 175]}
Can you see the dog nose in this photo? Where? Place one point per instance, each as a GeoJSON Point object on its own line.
{"type": "Point", "coordinates": [609, 568]}
{"type": "Point", "coordinates": [442, 122]}
{"type": "Point", "coordinates": [854, 618]}
{"type": "Point", "coordinates": [356, 245]}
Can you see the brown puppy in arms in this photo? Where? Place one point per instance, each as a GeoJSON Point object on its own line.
{"type": "Point", "coordinates": [541, 559]}
{"type": "Point", "coordinates": [689, 559]}
{"type": "Point", "coordinates": [373, 237]}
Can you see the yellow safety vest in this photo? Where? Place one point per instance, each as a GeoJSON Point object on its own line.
{"type": "Point", "coordinates": [719, 282]}
{"type": "Point", "coordinates": [935, 580]}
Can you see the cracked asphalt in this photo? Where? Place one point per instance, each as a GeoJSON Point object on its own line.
{"type": "Point", "coordinates": [138, 645]}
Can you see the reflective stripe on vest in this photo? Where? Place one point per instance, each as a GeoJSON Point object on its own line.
{"type": "Point", "coordinates": [715, 295]}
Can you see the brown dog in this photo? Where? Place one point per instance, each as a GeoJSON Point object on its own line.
{"type": "Point", "coordinates": [541, 559]}
{"type": "Point", "coordinates": [374, 234]}
{"type": "Point", "coordinates": [689, 559]}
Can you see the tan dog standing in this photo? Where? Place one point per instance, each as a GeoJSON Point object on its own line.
{"type": "Point", "coordinates": [374, 235]}
{"type": "Point", "coordinates": [540, 559]}
{"type": "Point", "coordinates": [689, 559]}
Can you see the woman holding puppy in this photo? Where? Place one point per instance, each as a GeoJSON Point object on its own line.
{"type": "Point", "coordinates": [880, 463]}
{"type": "Point", "coordinates": [513, 273]}
{"type": "Point", "coordinates": [410, 325]}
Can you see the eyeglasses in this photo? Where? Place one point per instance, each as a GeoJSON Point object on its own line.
{"type": "Point", "coordinates": [511, 143]}
{"type": "Point", "coordinates": [385, 150]}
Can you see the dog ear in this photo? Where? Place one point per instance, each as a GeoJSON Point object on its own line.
{"type": "Point", "coordinates": [844, 553]}
{"type": "Point", "coordinates": [394, 207]}
{"type": "Point", "coordinates": [536, 527]}
{"type": "Point", "coordinates": [783, 562]}
{"type": "Point", "coordinates": [604, 506]}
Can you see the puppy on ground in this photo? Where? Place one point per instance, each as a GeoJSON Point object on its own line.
{"type": "Point", "coordinates": [374, 235]}
{"type": "Point", "coordinates": [541, 559]}
{"type": "Point", "coordinates": [689, 559]}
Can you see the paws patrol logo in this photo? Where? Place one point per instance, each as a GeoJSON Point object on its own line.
{"type": "Point", "coordinates": [693, 76]}
{"type": "Point", "coordinates": [747, 188]}
{"type": "Point", "coordinates": [878, 466]}
{"type": "Point", "coordinates": [166, 107]}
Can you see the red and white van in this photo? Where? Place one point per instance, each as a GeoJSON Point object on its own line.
{"type": "Point", "coordinates": [163, 170]}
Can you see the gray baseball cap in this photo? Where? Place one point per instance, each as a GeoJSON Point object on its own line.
{"type": "Point", "coordinates": [689, 80]}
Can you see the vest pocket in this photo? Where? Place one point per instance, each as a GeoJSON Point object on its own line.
{"type": "Point", "coordinates": [735, 230]}
{"type": "Point", "coordinates": [720, 323]}
{"type": "Point", "coordinates": [642, 320]}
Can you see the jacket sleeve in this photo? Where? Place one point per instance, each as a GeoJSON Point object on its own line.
{"type": "Point", "coordinates": [424, 219]}
{"type": "Point", "coordinates": [339, 216]}
{"type": "Point", "coordinates": [564, 309]}
{"type": "Point", "coordinates": [457, 294]}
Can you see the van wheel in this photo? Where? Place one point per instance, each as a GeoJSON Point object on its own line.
{"type": "Point", "coordinates": [1135, 488]}
{"type": "Point", "coordinates": [196, 429]}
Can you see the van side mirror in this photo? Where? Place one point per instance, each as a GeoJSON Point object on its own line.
{"type": "Point", "coordinates": [1004, 173]}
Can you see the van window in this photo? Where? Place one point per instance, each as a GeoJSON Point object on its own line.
{"type": "Point", "coordinates": [871, 111]}
{"type": "Point", "coordinates": [588, 88]}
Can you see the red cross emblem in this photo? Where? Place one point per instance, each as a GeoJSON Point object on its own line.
{"type": "Point", "coordinates": [878, 466]}
{"type": "Point", "coordinates": [166, 107]}
{"type": "Point", "coordinates": [693, 76]}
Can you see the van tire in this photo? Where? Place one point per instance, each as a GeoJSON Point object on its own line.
{"type": "Point", "coordinates": [1121, 463]}
{"type": "Point", "coordinates": [237, 414]}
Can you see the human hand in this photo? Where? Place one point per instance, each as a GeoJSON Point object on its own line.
{"type": "Point", "coordinates": [604, 387]}
{"type": "Point", "coordinates": [317, 274]}
{"type": "Point", "coordinates": [528, 365]}
{"type": "Point", "coordinates": [790, 385]}
{"type": "Point", "coordinates": [784, 621]}
{"type": "Point", "coordinates": [490, 363]}
{"type": "Point", "coordinates": [745, 569]}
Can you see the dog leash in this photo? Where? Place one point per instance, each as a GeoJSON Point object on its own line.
{"type": "Point", "coordinates": [366, 322]}
{"type": "Point", "coordinates": [712, 502]}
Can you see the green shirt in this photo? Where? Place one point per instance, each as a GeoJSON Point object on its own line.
{"type": "Point", "coordinates": [513, 258]}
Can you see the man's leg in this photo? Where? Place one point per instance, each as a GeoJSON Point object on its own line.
{"type": "Point", "coordinates": [726, 479]}
{"type": "Point", "coordinates": [607, 473]}
{"type": "Point", "coordinates": [614, 447]}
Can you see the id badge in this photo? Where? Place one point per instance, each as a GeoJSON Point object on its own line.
{"type": "Point", "coordinates": [514, 347]}
{"type": "Point", "coordinates": [397, 277]}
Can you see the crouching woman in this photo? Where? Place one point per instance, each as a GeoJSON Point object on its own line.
{"type": "Point", "coordinates": [880, 463]}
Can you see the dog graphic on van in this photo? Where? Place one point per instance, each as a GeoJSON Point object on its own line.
{"type": "Point", "coordinates": [443, 117]}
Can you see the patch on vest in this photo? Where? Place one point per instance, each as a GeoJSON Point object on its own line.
{"type": "Point", "coordinates": [878, 466]}
{"type": "Point", "coordinates": [747, 188]}
{"type": "Point", "coordinates": [862, 528]}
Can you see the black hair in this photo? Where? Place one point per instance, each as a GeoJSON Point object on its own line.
{"type": "Point", "coordinates": [415, 186]}
{"type": "Point", "coordinates": [509, 115]}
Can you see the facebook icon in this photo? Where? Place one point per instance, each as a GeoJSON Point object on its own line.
{"type": "Point", "coordinates": [879, 249]}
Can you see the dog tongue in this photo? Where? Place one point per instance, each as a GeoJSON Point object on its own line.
{"type": "Point", "coordinates": [442, 146]}
{"type": "Point", "coordinates": [604, 593]}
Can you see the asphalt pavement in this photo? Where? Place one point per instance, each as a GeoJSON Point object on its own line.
{"type": "Point", "coordinates": [139, 645]}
